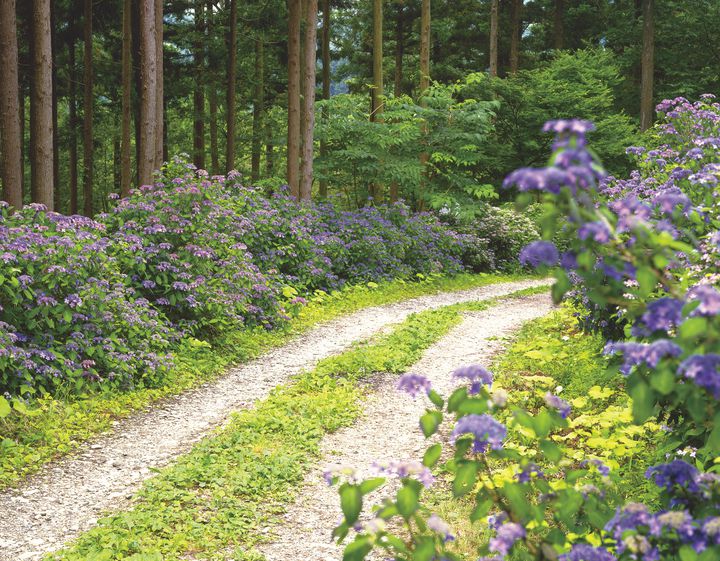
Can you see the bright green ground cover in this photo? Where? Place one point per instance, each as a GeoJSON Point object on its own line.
{"type": "Point", "coordinates": [52, 427]}
{"type": "Point", "coordinates": [212, 502]}
{"type": "Point", "coordinates": [551, 352]}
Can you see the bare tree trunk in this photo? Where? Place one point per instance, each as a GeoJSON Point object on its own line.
{"type": "Point", "coordinates": [159, 87]}
{"type": "Point", "coordinates": [326, 83]}
{"type": "Point", "coordinates": [424, 85]}
{"type": "Point", "coordinates": [309, 99]}
{"type": "Point", "coordinates": [377, 91]}
{"type": "Point", "coordinates": [41, 125]}
{"type": "Point", "coordinates": [258, 107]}
{"type": "Point", "coordinates": [558, 27]}
{"type": "Point", "coordinates": [232, 77]}
{"type": "Point", "coordinates": [648, 65]}
{"type": "Point", "coordinates": [148, 92]}
{"type": "Point", "coordinates": [126, 123]}
{"type": "Point", "coordinates": [199, 89]}
{"type": "Point", "coordinates": [88, 153]}
{"type": "Point", "coordinates": [493, 38]}
{"type": "Point", "coordinates": [11, 139]}
{"type": "Point", "coordinates": [399, 48]}
{"type": "Point", "coordinates": [56, 136]}
{"type": "Point", "coordinates": [212, 96]}
{"type": "Point", "coordinates": [269, 151]}
{"type": "Point", "coordinates": [293, 133]}
{"type": "Point", "coordinates": [515, 37]}
{"type": "Point", "coordinates": [72, 125]}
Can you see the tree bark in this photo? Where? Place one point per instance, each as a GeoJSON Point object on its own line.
{"type": "Point", "coordinates": [41, 124]}
{"type": "Point", "coordinates": [558, 26]}
{"type": "Point", "coordinates": [199, 89]}
{"type": "Point", "coordinates": [159, 86]}
{"type": "Point", "coordinates": [399, 48]}
{"type": "Point", "coordinates": [72, 125]}
{"type": "Point", "coordinates": [493, 38]}
{"type": "Point", "coordinates": [515, 35]}
{"type": "Point", "coordinates": [232, 77]}
{"type": "Point", "coordinates": [424, 46]}
{"type": "Point", "coordinates": [647, 65]}
{"type": "Point", "coordinates": [325, 83]}
{"type": "Point", "coordinates": [126, 123]}
{"type": "Point", "coordinates": [11, 139]}
{"type": "Point", "coordinates": [212, 96]}
{"type": "Point", "coordinates": [377, 91]}
{"type": "Point", "coordinates": [56, 136]}
{"type": "Point", "coordinates": [88, 152]}
{"type": "Point", "coordinates": [310, 66]}
{"type": "Point", "coordinates": [148, 92]}
{"type": "Point", "coordinates": [258, 108]}
{"type": "Point", "coordinates": [293, 133]}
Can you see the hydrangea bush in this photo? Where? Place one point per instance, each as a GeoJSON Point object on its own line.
{"type": "Point", "coordinates": [640, 248]}
{"type": "Point", "coordinates": [68, 315]}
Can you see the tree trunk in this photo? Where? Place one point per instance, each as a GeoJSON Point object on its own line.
{"type": "Point", "coordinates": [258, 103]}
{"type": "Point", "coordinates": [377, 91]}
{"type": "Point", "coordinates": [159, 87]}
{"type": "Point", "coordinates": [558, 27]}
{"type": "Point", "coordinates": [648, 65]}
{"type": "Point", "coordinates": [88, 153]}
{"type": "Point", "coordinates": [424, 47]}
{"type": "Point", "coordinates": [212, 96]}
{"type": "Point", "coordinates": [310, 65]}
{"type": "Point", "coordinates": [41, 124]}
{"type": "Point", "coordinates": [325, 82]}
{"type": "Point", "coordinates": [10, 139]}
{"type": "Point", "coordinates": [56, 136]}
{"type": "Point", "coordinates": [399, 48]}
{"type": "Point", "coordinates": [148, 92]}
{"type": "Point", "coordinates": [424, 85]}
{"type": "Point", "coordinates": [269, 151]}
{"type": "Point", "coordinates": [231, 74]}
{"type": "Point", "coordinates": [293, 133]}
{"type": "Point", "coordinates": [199, 89]}
{"type": "Point", "coordinates": [493, 38]}
{"type": "Point", "coordinates": [72, 125]}
{"type": "Point", "coordinates": [126, 123]}
{"type": "Point", "coordinates": [515, 35]}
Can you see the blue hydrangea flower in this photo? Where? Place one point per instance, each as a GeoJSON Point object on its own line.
{"type": "Point", "coordinates": [635, 354]}
{"type": "Point", "coordinates": [486, 431]}
{"type": "Point", "coordinates": [506, 537]}
{"type": "Point", "coordinates": [477, 375]}
{"type": "Point", "coordinates": [558, 403]}
{"type": "Point", "coordinates": [413, 384]}
{"type": "Point", "coordinates": [539, 253]}
{"type": "Point", "coordinates": [439, 526]}
{"type": "Point", "coordinates": [594, 230]}
{"type": "Point", "coordinates": [703, 370]}
{"type": "Point", "coordinates": [663, 314]}
{"type": "Point", "coordinates": [584, 552]}
{"type": "Point", "coordinates": [675, 474]}
{"type": "Point", "coordinates": [709, 298]}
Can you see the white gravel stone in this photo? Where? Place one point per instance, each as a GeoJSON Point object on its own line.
{"type": "Point", "coordinates": [74, 490]}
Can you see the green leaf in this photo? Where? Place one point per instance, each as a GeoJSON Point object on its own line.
{"type": "Point", "coordinates": [357, 549]}
{"type": "Point", "coordinates": [432, 455]}
{"type": "Point", "coordinates": [407, 501]}
{"type": "Point", "coordinates": [663, 381]}
{"type": "Point", "coordinates": [5, 408]}
{"type": "Point", "coordinates": [714, 438]}
{"type": "Point", "coordinates": [647, 280]}
{"type": "Point", "coordinates": [350, 502]}
{"type": "Point", "coordinates": [481, 510]}
{"type": "Point", "coordinates": [692, 327]}
{"type": "Point", "coordinates": [369, 485]}
{"type": "Point", "coordinates": [643, 402]}
{"type": "Point", "coordinates": [436, 399]}
{"type": "Point", "coordinates": [424, 550]}
{"type": "Point", "coordinates": [430, 422]}
{"type": "Point", "coordinates": [465, 478]}
{"type": "Point", "coordinates": [551, 450]}
{"type": "Point", "coordinates": [687, 553]}
{"type": "Point", "coordinates": [542, 424]}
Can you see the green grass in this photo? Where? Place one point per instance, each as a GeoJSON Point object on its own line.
{"type": "Point", "coordinates": [53, 427]}
{"type": "Point", "coordinates": [547, 353]}
{"type": "Point", "coordinates": [213, 501]}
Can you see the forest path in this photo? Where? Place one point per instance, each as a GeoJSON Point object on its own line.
{"type": "Point", "coordinates": [389, 429]}
{"type": "Point", "coordinates": [68, 496]}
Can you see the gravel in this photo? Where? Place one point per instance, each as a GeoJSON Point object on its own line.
{"type": "Point", "coordinates": [389, 429]}
{"type": "Point", "coordinates": [68, 496]}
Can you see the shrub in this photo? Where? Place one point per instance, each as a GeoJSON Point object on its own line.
{"type": "Point", "coordinates": [67, 313]}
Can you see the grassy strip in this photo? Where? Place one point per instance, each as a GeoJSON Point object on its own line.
{"type": "Point", "coordinates": [53, 427]}
{"type": "Point", "coordinates": [213, 501]}
{"type": "Point", "coordinates": [551, 352]}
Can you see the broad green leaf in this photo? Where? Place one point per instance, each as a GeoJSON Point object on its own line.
{"type": "Point", "coordinates": [432, 455]}
{"type": "Point", "coordinates": [407, 501]}
{"type": "Point", "coordinates": [350, 502]}
{"type": "Point", "coordinates": [465, 478]}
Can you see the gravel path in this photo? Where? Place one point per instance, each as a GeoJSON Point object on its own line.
{"type": "Point", "coordinates": [389, 429]}
{"type": "Point", "coordinates": [68, 496]}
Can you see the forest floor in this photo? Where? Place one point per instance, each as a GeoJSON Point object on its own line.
{"type": "Point", "coordinates": [67, 497]}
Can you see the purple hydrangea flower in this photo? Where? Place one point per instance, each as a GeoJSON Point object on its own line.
{"type": "Point", "coordinates": [477, 375]}
{"type": "Point", "coordinates": [439, 526]}
{"type": "Point", "coordinates": [539, 253]}
{"type": "Point", "coordinates": [413, 384]}
{"type": "Point", "coordinates": [709, 298]}
{"type": "Point", "coordinates": [675, 474]}
{"type": "Point", "coordinates": [595, 230]}
{"type": "Point", "coordinates": [486, 431]}
{"type": "Point", "coordinates": [584, 552]}
{"type": "Point", "coordinates": [663, 314]}
{"type": "Point", "coordinates": [558, 403]}
{"type": "Point", "coordinates": [506, 537]}
{"type": "Point", "coordinates": [703, 370]}
{"type": "Point", "coordinates": [639, 353]}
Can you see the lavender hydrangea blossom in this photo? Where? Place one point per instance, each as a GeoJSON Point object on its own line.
{"type": "Point", "coordinates": [539, 253]}
{"type": "Point", "coordinates": [486, 431]}
{"type": "Point", "coordinates": [477, 375]}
